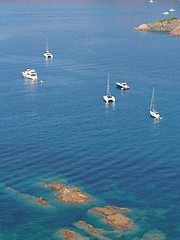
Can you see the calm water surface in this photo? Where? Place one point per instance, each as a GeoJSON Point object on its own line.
{"type": "Point", "coordinates": [62, 129]}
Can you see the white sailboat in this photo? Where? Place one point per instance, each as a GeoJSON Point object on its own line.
{"type": "Point", "coordinates": [153, 112]}
{"type": "Point", "coordinates": [47, 54]}
{"type": "Point", "coordinates": [108, 97]}
{"type": "Point", "coordinates": [151, 1]}
{"type": "Point", "coordinates": [171, 9]}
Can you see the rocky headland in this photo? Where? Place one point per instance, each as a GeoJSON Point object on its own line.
{"type": "Point", "coordinates": [171, 25]}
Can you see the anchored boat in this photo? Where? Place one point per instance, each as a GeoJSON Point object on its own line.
{"type": "Point", "coordinates": [108, 97]}
{"type": "Point", "coordinates": [122, 86]}
{"type": "Point", "coordinates": [47, 54]}
{"type": "Point", "coordinates": [30, 74]}
{"type": "Point", "coordinates": [152, 111]}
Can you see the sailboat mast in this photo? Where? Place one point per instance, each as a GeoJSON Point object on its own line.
{"type": "Point", "coordinates": [47, 45]}
{"type": "Point", "coordinates": [108, 85]}
{"type": "Point", "coordinates": [152, 101]}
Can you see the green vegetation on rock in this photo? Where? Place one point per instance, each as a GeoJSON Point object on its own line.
{"type": "Point", "coordinates": [168, 20]}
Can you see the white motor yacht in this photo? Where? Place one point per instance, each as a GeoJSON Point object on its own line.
{"type": "Point", "coordinates": [165, 13]}
{"type": "Point", "coordinates": [47, 54]}
{"type": "Point", "coordinates": [108, 97]}
{"type": "Point", "coordinates": [123, 86]}
{"type": "Point", "coordinates": [30, 74]}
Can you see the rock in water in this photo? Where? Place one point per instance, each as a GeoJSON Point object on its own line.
{"type": "Point", "coordinates": [175, 32]}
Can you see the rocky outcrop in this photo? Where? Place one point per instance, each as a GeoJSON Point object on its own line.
{"type": "Point", "coordinates": [95, 233]}
{"type": "Point", "coordinates": [55, 186]}
{"type": "Point", "coordinates": [113, 217]}
{"type": "Point", "coordinates": [88, 226]}
{"type": "Point", "coordinates": [67, 234]}
{"type": "Point", "coordinates": [43, 202]}
{"type": "Point", "coordinates": [175, 32]}
{"type": "Point", "coordinates": [28, 198]}
{"type": "Point", "coordinates": [142, 27]}
{"type": "Point", "coordinates": [168, 25]}
{"type": "Point", "coordinates": [69, 194]}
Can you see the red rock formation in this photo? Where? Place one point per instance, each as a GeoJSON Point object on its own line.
{"type": "Point", "coordinates": [89, 226]}
{"type": "Point", "coordinates": [113, 218]}
{"type": "Point", "coordinates": [55, 186]}
{"type": "Point", "coordinates": [118, 208]}
{"type": "Point", "coordinates": [69, 234]}
{"type": "Point", "coordinates": [42, 201]}
{"type": "Point", "coordinates": [175, 32]}
{"type": "Point", "coordinates": [142, 27]}
{"type": "Point", "coordinates": [69, 194]}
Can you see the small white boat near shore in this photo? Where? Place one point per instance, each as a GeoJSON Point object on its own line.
{"type": "Point", "coordinates": [122, 86]}
{"type": "Point", "coordinates": [30, 74]}
{"type": "Point", "coordinates": [108, 98]}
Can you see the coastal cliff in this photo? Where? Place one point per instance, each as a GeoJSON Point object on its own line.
{"type": "Point", "coordinates": [171, 25]}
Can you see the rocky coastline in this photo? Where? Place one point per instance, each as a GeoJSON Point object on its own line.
{"type": "Point", "coordinates": [171, 26]}
{"type": "Point", "coordinates": [114, 217]}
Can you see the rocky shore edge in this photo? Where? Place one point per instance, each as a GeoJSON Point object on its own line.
{"type": "Point", "coordinates": [171, 26]}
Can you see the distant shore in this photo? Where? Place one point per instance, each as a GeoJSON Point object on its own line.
{"type": "Point", "coordinates": [171, 25]}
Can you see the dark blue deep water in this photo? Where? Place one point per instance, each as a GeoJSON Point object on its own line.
{"type": "Point", "coordinates": [62, 129]}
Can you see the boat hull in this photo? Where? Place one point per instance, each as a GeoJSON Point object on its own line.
{"type": "Point", "coordinates": [48, 55]}
{"type": "Point", "coordinates": [154, 114]}
{"type": "Point", "coordinates": [109, 99]}
{"type": "Point", "coordinates": [29, 77]}
{"type": "Point", "coordinates": [119, 85]}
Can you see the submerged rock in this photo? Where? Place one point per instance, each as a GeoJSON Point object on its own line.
{"type": "Point", "coordinates": [28, 198]}
{"type": "Point", "coordinates": [67, 234]}
{"type": "Point", "coordinates": [69, 194]}
{"type": "Point", "coordinates": [88, 226]}
{"type": "Point", "coordinates": [171, 25]}
{"type": "Point", "coordinates": [43, 202]}
{"type": "Point", "coordinates": [91, 230]}
{"type": "Point", "coordinates": [55, 186]}
{"type": "Point", "coordinates": [154, 235]}
{"type": "Point", "coordinates": [113, 217]}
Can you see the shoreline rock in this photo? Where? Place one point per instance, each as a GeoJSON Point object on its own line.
{"type": "Point", "coordinates": [171, 25]}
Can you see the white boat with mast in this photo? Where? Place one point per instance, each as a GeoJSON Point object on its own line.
{"type": "Point", "coordinates": [47, 54]}
{"type": "Point", "coordinates": [152, 111]}
{"type": "Point", "coordinates": [108, 97]}
{"type": "Point", "coordinates": [171, 9]}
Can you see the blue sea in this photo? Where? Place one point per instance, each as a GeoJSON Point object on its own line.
{"type": "Point", "coordinates": [63, 131]}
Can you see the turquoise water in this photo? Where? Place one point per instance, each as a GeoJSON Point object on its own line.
{"type": "Point", "coordinates": [62, 129]}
